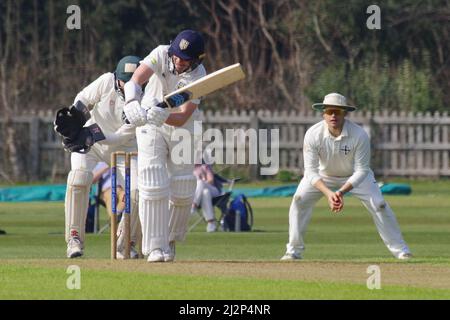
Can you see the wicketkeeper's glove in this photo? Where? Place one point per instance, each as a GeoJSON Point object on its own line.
{"type": "Point", "coordinates": [84, 140]}
{"type": "Point", "coordinates": [69, 121]}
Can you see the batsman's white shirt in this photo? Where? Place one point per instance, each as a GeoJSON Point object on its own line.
{"type": "Point", "coordinates": [160, 177]}
{"type": "Point", "coordinates": [345, 156]}
{"type": "Point", "coordinates": [106, 107]}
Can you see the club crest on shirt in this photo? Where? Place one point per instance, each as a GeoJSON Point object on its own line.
{"type": "Point", "coordinates": [346, 150]}
{"type": "Point", "coordinates": [181, 84]}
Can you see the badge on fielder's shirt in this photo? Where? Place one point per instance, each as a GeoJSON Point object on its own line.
{"type": "Point", "coordinates": [346, 150]}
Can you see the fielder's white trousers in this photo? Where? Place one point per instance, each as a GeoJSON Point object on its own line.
{"type": "Point", "coordinates": [204, 194]}
{"type": "Point", "coordinates": [370, 195]}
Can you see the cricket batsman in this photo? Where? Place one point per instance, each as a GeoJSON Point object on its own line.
{"type": "Point", "coordinates": [336, 155]}
{"type": "Point", "coordinates": [166, 187]}
{"type": "Point", "coordinates": [96, 117]}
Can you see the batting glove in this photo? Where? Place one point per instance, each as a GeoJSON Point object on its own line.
{"type": "Point", "coordinates": [157, 116]}
{"type": "Point", "coordinates": [135, 114]}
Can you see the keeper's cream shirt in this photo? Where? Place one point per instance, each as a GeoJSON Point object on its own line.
{"type": "Point", "coordinates": [347, 155]}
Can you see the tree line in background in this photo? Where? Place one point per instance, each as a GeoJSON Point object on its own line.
{"type": "Point", "coordinates": [293, 51]}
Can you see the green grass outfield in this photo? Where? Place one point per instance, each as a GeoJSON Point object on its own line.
{"type": "Point", "coordinates": [340, 248]}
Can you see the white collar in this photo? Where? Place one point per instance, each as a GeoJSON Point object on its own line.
{"type": "Point", "coordinates": [344, 132]}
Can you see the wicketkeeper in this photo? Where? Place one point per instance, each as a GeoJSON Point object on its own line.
{"type": "Point", "coordinates": [96, 117]}
{"type": "Point", "coordinates": [336, 156]}
{"type": "Point", "coordinates": [166, 186]}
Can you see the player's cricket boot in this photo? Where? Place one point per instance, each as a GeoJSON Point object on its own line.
{"type": "Point", "coordinates": [405, 256]}
{"type": "Point", "coordinates": [121, 246]}
{"type": "Point", "coordinates": [74, 247]}
{"type": "Point", "coordinates": [156, 255]}
{"type": "Point", "coordinates": [133, 252]}
{"type": "Point", "coordinates": [211, 226]}
{"type": "Point", "coordinates": [291, 257]}
{"type": "Point", "coordinates": [169, 255]}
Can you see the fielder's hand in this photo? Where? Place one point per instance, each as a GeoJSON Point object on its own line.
{"type": "Point", "coordinates": [336, 202]}
{"type": "Point", "coordinates": [135, 114]}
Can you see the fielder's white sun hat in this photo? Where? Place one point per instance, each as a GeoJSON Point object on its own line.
{"type": "Point", "coordinates": [333, 100]}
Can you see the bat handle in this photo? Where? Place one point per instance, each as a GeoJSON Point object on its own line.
{"type": "Point", "coordinates": [176, 100]}
{"type": "Point", "coordinates": [124, 118]}
{"type": "Point", "coordinates": [162, 105]}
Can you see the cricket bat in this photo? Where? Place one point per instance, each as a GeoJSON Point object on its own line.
{"type": "Point", "coordinates": [203, 86]}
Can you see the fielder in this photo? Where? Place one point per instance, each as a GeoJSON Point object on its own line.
{"type": "Point", "coordinates": [336, 155]}
{"type": "Point", "coordinates": [206, 190]}
{"type": "Point", "coordinates": [99, 105]}
{"type": "Point", "coordinates": [166, 187]}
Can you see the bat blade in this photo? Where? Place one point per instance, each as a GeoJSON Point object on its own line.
{"type": "Point", "coordinates": [203, 86]}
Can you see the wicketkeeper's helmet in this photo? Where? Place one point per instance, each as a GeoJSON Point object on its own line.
{"type": "Point", "coordinates": [126, 67]}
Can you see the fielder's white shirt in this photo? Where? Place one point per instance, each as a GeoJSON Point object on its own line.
{"type": "Point", "coordinates": [163, 81]}
{"type": "Point", "coordinates": [345, 156]}
{"type": "Point", "coordinates": [106, 107]}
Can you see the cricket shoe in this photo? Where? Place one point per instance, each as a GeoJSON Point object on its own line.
{"type": "Point", "coordinates": [156, 255]}
{"type": "Point", "coordinates": [405, 256]}
{"type": "Point", "coordinates": [133, 252]}
{"type": "Point", "coordinates": [74, 248]}
{"type": "Point", "coordinates": [211, 227]}
{"type": "Point", "coordinates": [169, 255]}
{"type": "Point", "coordinates": [291, 257]}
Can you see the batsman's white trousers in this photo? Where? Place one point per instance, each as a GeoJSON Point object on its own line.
{"type": "Point", "coordinates": [167, 186]}
{"type": "Point", "coordinates": [76, 212]}
{"type": "Point", "coordinates": [370, 195]}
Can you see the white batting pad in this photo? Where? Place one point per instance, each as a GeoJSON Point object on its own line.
{"type": "Point", "coordinates": [153, 181]}
{"type": "Point", "coordinates": [77, 201]}
{"type": "Point", "coordinates": [154, 208]}
{"type": "Point", "coordinates": [182, 193]}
